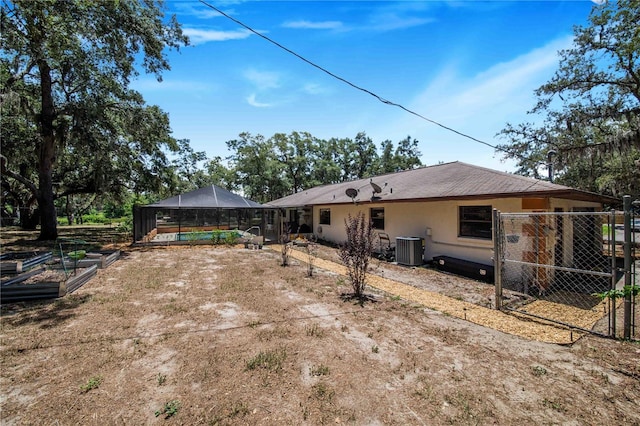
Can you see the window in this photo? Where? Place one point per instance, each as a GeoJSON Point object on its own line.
{"type": "Point", "coordinates": [325, 216]}
{"type": "Point", "coordinates": [377, 218]}
{"type": "Point", "coordinates": [475, 221]}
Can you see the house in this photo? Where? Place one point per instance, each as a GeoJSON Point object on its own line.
{"type": "Point", "coordinates": [448, 206]}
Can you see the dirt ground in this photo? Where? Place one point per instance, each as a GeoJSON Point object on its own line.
{"type": "Point", "coordinates": [208, 335]}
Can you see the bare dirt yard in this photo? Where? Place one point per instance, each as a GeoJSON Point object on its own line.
{"type": "Point", "coordinates": [210, 335]}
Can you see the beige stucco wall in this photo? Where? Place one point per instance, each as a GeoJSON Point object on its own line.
{"type": "Point", "coordinates": [570, 206]}
{"type": "Point", "coordinates": [436, 222]}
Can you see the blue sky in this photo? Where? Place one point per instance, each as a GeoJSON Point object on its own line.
{"type": "Point", "coordinates": [469, 65]}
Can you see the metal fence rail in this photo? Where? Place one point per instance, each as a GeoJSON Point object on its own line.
{"type": "Point", "coordinates": [564, 267]}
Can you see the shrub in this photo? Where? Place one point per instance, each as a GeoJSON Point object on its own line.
{"type": "Point", "coordinates": [169, 409]}
{"type": "Point", "coordinates": [231, 238]}
{"type": "Point", "coordinates": [216, 236]}
{"type": "Point", "coordinates": [355, 253]}
{"type": "Point", "coordinates": [95, 218]}
{"type": "Point", "coordinates": [126, 226]}
{"type": "Point", "coordinates": [192, 236]}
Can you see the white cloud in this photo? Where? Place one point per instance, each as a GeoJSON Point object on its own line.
{"type": "Point", "coordinates": [479, 106]}
{"type": "Point", "coordinates": [320, 25]}
{"type": "Point", "coordinates": [501, 90]}
{"type": "Point", "coordinates": [399, 15]}
{"type": "Point", "coordinates": [263, 80]}
{"type": "Point", "coordinates": [197, 36]}
{"type": "Point", "coordinates": [314, 89]}
{"type": "Point", "coordinates": [200, 12]}
{"type": "Point", "coordinates": [391, 22]}
{"type": "Point", "coordinates": [251, 100]}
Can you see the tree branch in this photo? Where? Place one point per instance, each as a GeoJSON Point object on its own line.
{"type": "Point", "coordinates": [6, 172]}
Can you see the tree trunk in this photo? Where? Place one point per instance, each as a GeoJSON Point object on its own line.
{"type": "Point", "coordinates": [69, 212]}
{"type": "Point", "coordinates": [29, 219]}
{"type": "Point", "coordinates": [47, 157]}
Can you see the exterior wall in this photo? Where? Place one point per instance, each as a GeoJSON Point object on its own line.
{"type": "Point", "coordinates": [335, 232]}
{"type": "Point", "coordinates": [567, 235]}
{"type": "Point", "coordinates": [437, 223]}
{"type": "Point", "coordinates": [546, 240]}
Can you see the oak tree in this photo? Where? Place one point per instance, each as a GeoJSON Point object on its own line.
{"type": "Point", "coordinates": [591, 108]}
{"type": "Point", "coordinates": [66, 67]}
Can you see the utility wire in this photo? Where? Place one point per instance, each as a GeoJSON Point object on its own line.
{"type": "Point", "coordinates": [381, 99]}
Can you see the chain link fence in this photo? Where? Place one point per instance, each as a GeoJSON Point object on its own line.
{"type": "Point", "coordinates": [565, 267]}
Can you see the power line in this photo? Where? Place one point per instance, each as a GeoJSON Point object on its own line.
{"type": "Point", "coordinates": [362, 89]}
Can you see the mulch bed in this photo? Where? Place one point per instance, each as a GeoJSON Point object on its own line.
{"type": "Point", "coordinates": [519, 325]}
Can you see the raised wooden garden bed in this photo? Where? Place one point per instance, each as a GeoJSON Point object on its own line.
{"type": "Point", "coordinates": [42, 283]}
{"type": "Point", "coordinates": [18, 262]}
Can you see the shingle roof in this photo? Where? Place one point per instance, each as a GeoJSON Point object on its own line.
{"type": "Point", "coordinates": [454, 180]}
{"type": "Point", "coordinates": [208, 197]}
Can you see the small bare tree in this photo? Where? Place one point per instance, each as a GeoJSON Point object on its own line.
{"type": "Point", "coordinates": [285, 243]}
{"type": "Point", "coordinates": [356, 251]}
{"type": "Point", "coordinates": [312, 252]}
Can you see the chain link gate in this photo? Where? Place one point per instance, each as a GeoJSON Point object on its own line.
{"type": "Point", "coordinates": [560, 267]}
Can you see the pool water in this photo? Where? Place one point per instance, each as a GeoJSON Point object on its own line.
{"type": "Point", "coordinates": [205, 235]}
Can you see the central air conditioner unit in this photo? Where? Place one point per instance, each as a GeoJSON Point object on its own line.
{"type": "Point", "coordinates": [409, 251]}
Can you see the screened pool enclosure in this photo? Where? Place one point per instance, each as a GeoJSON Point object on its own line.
{"type": "Point", "coordinates": [210, 213]}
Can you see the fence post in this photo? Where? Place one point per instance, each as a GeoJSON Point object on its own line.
{"type": "Point", "coordinates": [627, 265]}
{"type": "Point", "coordinates": [611, 303]}
{"type": "Point", "coordinates": [497, 258]}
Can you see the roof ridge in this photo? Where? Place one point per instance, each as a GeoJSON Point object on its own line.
{"type": "Point", "coordinates": [215, 195]}
{"type": "Point", "coordinates": [389, 174]}
{"type": "Point", "coordinates": [513, 175]}
{"type": "Point", "coordinates": [455, 179]}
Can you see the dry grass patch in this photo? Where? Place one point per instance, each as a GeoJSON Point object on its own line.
{"type": "Point", "coordinates": [207, 336]}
